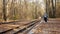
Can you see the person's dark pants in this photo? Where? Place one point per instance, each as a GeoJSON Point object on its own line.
{"type": "Point", "coordinates": [45, 19]}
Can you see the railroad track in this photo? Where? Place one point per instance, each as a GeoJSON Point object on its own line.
{"type": "Point", "coordinates": [28, 28]}
{"type": "Point", "coordinates": [21, 30]}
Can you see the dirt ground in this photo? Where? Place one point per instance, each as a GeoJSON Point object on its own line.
{"type": "Point", "coordinates": [51, 27]}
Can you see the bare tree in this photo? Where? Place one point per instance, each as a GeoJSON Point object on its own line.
{"type": "Point", "coordinates": [4, 11]}
{"type": "Point", "coordinates": [53, 8]}
{"type": "Point", "coordinates": [48, 8]}
{"type": "Point", "coordinates": [35, 9]}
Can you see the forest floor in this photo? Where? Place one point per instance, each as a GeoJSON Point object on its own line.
{"type": "Point", "coordinates": [50, 27]}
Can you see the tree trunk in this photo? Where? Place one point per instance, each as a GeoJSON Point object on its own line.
{"type": "Point", "coordinates": [4, 11]}
{"type": "Point", "coordinates": [53, 9]}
